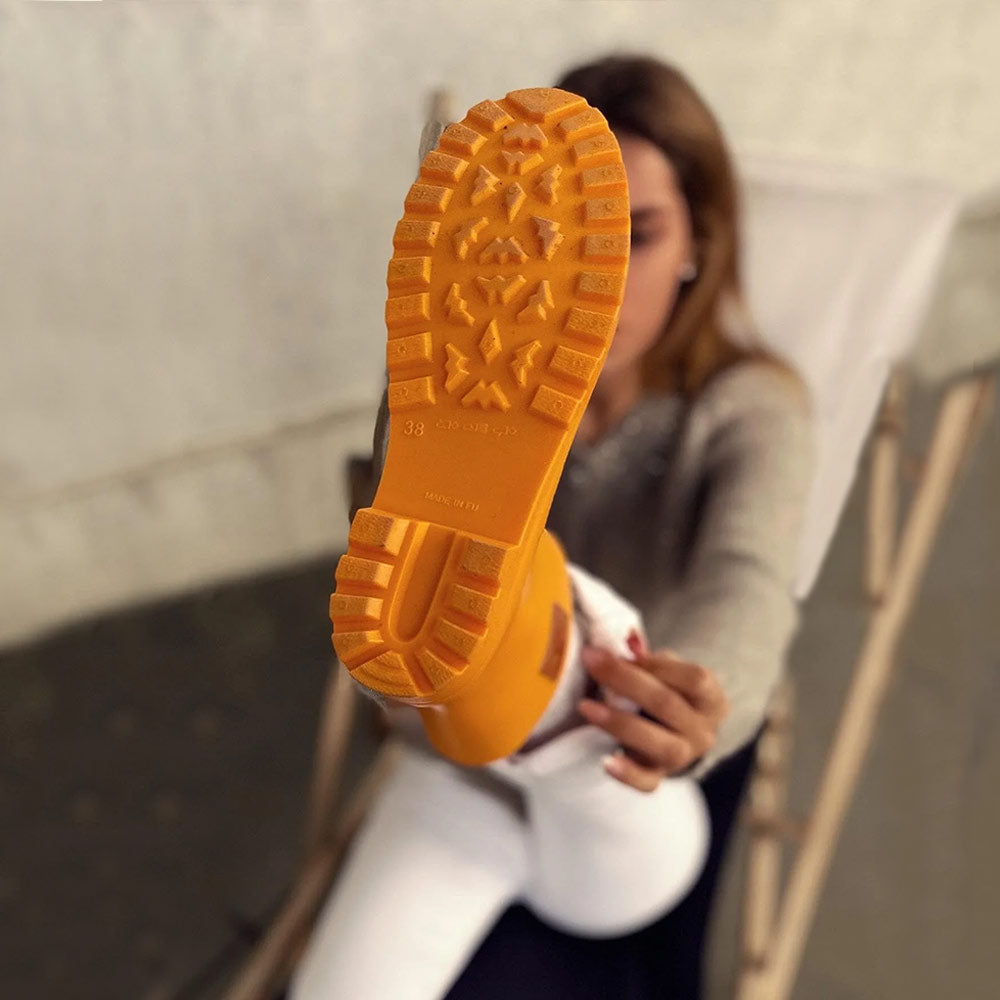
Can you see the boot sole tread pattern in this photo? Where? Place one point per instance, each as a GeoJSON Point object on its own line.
{"type": "Point", "coordinates": [503, 290]}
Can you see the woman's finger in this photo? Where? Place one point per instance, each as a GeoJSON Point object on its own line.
{"type": "Point", "coordinates": [698, 685]}
{"type": "Point", "coordinates": [628, 772]}
{"type": "Point", "coordinates": [657, 700]}
{"type": "Point", "coordinates": [661, 748]}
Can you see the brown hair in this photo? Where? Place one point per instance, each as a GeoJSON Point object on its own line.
{"type": "Point", "coordinates": [654, 101]}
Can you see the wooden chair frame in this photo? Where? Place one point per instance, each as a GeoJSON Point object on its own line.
{"type": "Point", "coordinates": [775, 927]}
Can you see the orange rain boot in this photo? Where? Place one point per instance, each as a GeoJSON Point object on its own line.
{"type": "Point", "coordinates": [504, 289]}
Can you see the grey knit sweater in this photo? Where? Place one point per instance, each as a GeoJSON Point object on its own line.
{"type": "Point", "coordinates": [692, 511]}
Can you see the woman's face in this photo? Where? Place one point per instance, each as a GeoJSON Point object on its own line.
{"type": "Point", "coordinates": [661, 250]}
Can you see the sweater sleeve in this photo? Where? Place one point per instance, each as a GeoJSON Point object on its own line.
{"type": "Point", "coordinates": [735, 612]}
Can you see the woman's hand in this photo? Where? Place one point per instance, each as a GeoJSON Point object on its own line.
{"type": "Point", "coordinates": [681, 705]}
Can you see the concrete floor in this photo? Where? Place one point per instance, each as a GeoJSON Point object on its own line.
{"type": "Point", "coordinates": [154, 765]}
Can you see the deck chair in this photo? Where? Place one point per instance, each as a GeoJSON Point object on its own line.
{"type": "Point", "coordinates": [885, 243]}
{"type": "Point", "coordinates": [840, 267]}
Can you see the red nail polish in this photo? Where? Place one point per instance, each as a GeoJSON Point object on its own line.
{"type": "Point", "coordinates": [636, 645]}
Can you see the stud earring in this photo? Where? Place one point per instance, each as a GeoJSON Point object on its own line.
{"type": "Point", "coordinates": [688, 272]}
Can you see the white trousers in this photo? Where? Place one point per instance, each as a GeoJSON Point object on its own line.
{"type": "Point", "coordinates": [445, 850]}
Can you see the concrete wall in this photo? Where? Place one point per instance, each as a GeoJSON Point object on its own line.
{"type": "Point", "coordinates": [196, 207]}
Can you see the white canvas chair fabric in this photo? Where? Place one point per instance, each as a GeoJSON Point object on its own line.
{"type": "Point", "coordinates": [962, 332]}
{"type": "Point", "coordinates": [840, 268]}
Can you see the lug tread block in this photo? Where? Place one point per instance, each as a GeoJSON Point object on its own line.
{"type": "Point", "coordinates": [462, 140]}
{"type": "Point", "coordinates": [609, 248]}
{"type": "Point", "coordinates": [456, 369]}
{"type": "Point", "coordinates": [581, 125]}
{"type": "Point", "coordinates": [483, 559]}
{"type": "Point", "coordinates": [470, 602]}
{"type": "Point", "coordinates": [353, 606]}
{"type": "Point", "coordinates": [538, 306]}
{"type": "Point", "coordinates": [416, 234]}
{"type": "Point", "coordinates": [487, 396]}
{"type": "Point", "coordinates": [431, 199]}
{"type": "Point", "coordinates": [467, 235]}
{"type": "Point", "coordinates": [357, 646]}
{"type": "Point", "coordinates": [601, 286]}
{"type": "Point", "coordinates": [388, 673]}
{"type": "Point", "coordinates": [486, 185]}
{"type": "Point", "coordinates": [500, 288]}
{"type": "Point", "coordinates": [411, 393]}
{"type": "Point", "coordinates": [438, 166]}
{"type": "Point", "coordinates": [558, 407]}
{"type": "Point", "coordinates": [459, 640]}
{"type": "Point", "coordinates": [456, 308]}
{"type": "Point", "coordinates": [574, 365]}
{"type": "Point", "coordinates": [383, 532]}
{"type": "Point", "coordinates": [595, 150]}
{"type": "Point", "coordinates": [606, 211]}
{"type": "Point", "coordinates": [513, 200]}
{"type": "Point", "coordinates": [549, 236]}
{"type": "Point", "coordinates": [604, 179]}
{"type": "Point", "coordinates": [547, 188]}
{"type": "Point", "coordinates": [490, 344]}
{"type": "Point", "coordinates": [524, 360]}
{"type": "Point", "coordinates": [544, 104]}
{"type": "Point", "coordinates": [589, 325]}
{"type": "Point", "coordinates": [408, 272]}
{"type": "Point", "coordinates": [402, 352]}
{"type": "Point", "coordinates": [490, 115]}
{"type": "Point", "coordinates": [525, 136]}
{"type": "Point", "coordinates": [439, 672]}
{"type": "Point", "coordinates": [521, 161]}
{"type": "Point", "coordinates": [402, 310]}
{"type": "Point", "coordinates": [363, 572]}
{"type": "Point", "coordinates": [503, 251]}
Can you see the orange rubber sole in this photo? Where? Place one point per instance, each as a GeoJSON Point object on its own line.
{"type": "Point", "coordinates": [504, 288]}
